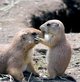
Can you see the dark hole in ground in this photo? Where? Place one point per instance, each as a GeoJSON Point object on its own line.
{"type": "Point", "coordinates": [69, 16]}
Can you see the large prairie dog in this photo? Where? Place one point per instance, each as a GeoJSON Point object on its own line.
{"type": "Point", "coordinates": [17, 56]}
{"type": "Point", "coordinates": [59, 54]}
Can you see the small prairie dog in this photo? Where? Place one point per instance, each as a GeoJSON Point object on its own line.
{"type": "Point", "coordinates": [17, 56]}
{"type": "Point", "coordinates": [59, 54]}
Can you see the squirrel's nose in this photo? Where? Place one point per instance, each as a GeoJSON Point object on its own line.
{"type": "Point", "coordinates": [41, 27]}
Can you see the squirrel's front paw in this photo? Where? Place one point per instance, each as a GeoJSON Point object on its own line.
{"type": "Point", "coordinates": [24, 80]}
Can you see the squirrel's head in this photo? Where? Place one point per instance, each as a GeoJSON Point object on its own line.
{"type": "Point", "coordinates": [27, 37]}
{"type": "Point", "coordinates": [52, 27]}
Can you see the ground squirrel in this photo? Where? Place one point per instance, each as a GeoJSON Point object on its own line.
{"type": "Point", "coordinates": [17, 56]}
{"type": "Point", "coordinates": [59, 54]}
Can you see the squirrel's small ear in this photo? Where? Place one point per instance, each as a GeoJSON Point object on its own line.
{"type": "Point", "coordinates": [56, 24]}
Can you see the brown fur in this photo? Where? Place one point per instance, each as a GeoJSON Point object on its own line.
{"type": "Point", "coordinates": [18, 55]}
{"type": "Point", "coordinates": [59, 54]}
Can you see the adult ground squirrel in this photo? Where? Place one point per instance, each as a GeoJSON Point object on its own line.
{"type": "Point", "coordinates": [17, 56]}
{"type": "Point", "coordinates": [59, 54]}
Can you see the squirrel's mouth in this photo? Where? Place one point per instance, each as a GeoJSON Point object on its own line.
{"type": "Point", "coordinates": [43, 33]}
{"type": "Point", "coordinates": [36, 39]}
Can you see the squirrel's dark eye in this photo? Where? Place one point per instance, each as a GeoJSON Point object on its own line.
{"type": "Point", "coordinates": [23, 38]}
{"type": "Point", "coordinates": [34, 34]}
{"type": "Point", "coordinates": [48, 24]}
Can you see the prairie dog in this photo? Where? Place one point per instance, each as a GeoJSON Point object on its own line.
{"type": "Point", "coordinates": [59, 54]}
{"type": "Point", "coordinates": [17, 56]}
